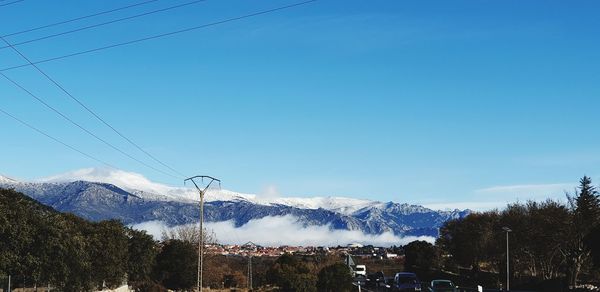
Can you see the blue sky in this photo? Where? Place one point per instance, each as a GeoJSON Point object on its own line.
{"type": "Point", "coordinates": [424, 101]}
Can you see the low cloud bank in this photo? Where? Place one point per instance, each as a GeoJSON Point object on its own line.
{"type": "Point", "coordinates": [287, 230]}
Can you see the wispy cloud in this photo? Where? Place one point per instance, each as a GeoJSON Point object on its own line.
{"type": "Point", "coordinates": [498, 197]}
{"type": "Point", "coordinates": [286, 230]}
{"type": "Point", "coordinates": [474, 205]}
{"type": "Point", "coordinates": [270, 191]}
{"type": "Point", "coordinates": [533, 191]}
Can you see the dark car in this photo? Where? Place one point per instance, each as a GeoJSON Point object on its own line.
{"type": "Point", "coordinates": [376, 279]}
{"type": "Point", "coordinates": [442, 286]}
{"type": "Point", "coordinates": [406, 282]}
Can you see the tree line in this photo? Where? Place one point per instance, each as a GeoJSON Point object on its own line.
{"type": "Point", "coordinates": [39, 247]}
{"type": "Point", "coordinates": [42, 247]}
{"type": "Point", "coordinates": [550, 242]}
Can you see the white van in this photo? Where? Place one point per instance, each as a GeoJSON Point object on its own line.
{"type": "Point", "coordinates": [360, 270]}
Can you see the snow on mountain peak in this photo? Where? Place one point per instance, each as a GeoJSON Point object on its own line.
{"type": "Point", "coordinates": [7, 180]}
{"type": "Point", "coordinates": [143, 187]}
{"type": "Point", "coordinates": [120, 178]}
{"type": "Point", "coordinates": [137, 184]}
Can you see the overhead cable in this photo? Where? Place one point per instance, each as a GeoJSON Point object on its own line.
{"type": "Point", "coordinates": [9, 3]}
{"type": "Point", "coordinates": [102, 24]}
{"type": "Point", "coordinates": [89, 110]}
{"type": "Point", "coordinates": [158, 35]}
{"type": "Point", "coordinates": [77, 18]}
{"type": "Point", "coordinates": [83, 128]}
{"type": "Point", "coordinates": [56, 139]}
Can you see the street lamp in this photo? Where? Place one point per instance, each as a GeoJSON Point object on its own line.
{"type": "Point", "coordinates": [507, 230]}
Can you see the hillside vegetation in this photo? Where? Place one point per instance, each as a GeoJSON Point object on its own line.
{"type": "Point", "coordinates": [39, 245]}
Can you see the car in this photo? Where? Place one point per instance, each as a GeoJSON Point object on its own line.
{"type": "Point", "coordinates": [442, 286]}
{"type": "Point", "coordinates": [406, 282]}
{"type": "Point", "coordinates": [376, 279]}
{"type": "Point", "coordinates": [360, 271]}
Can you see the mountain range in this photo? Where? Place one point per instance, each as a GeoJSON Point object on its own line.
{"type": "Point", "coordinates": [99, 194]}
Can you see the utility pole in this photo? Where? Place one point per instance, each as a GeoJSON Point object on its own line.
{"type": "Point", "coordinates": [507, 230]}
{"type": "Point", "coordinates": [250, 273]}
{"type": "Point", "coordinates": [8, 283]}
{"type": "Point", "coordinates": [202, 191]}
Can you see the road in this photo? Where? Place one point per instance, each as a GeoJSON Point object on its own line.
{"type": "Point", "coordinates": [362, 282]}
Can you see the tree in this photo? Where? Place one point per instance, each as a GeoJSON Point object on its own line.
{"type": "Point", "coordinates": [292, 275]}
{"type": "Point", "coordinates": [142, 252]}
{"type": "Point", "coordinates": [108, 251]}
{"type": "Point", "coordinates": [593, 241]}
{"type": "Point", "coordinates": [586, 205]}
{"type": "Point", "coordinates": [548, 224]}
{"type": "Point", "coordinates": [585, 208]}
{"type": "Point", "coordinates": [334, 278]}
{"type": "Point", "coordinates": [41, 246]}
{"type": "Point", "coordinates": [421, 254]}
{"type": "Point", "coordinates": [471, 240]}
{"type": "Point", "coordinates": [176, 265]}
{"type": "Point", "coordinates": [189, 233]}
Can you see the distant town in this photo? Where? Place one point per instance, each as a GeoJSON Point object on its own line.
{"type": "Point", "coordinates": [354, 249]}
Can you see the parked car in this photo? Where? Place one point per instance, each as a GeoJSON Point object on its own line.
{"type": "Point", "coordinates": [376, 280]}
{"type": "Point", "coordinates": [442, 286]}
{"type": "Point", "coordinates": [406, 282]}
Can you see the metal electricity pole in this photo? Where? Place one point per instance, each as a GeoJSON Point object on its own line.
{"type": "Point", "coordinates": [202, 191]}
{"type": "Point", "coordinates": [507, 230]}
{"type": "Point", "coordinates": [250, 273]}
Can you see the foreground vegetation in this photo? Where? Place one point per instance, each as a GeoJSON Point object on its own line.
{"type": "Point", "coordinates": [553, 246]}
{"type": "Point", "coordinates": [40, 246]}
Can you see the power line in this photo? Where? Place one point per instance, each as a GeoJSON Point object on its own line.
{"type": "Point", "coordinates": [104, 23]}
{"type": "Point", "coordinates": [62, 88]}
{"type": "Point", "coordinates": [55, 139]}
{"type": "Point", "coordinates": [14, 2]}
{"type": "Point", "coordinates": [81, 127]}
{"type": "Point", "coordinates": [77, 18]}
{"type": "Point", "coordinates": [160, 35]}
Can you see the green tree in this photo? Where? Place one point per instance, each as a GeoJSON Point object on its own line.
{"type": "Point", "coordinates": [334, 278]}
{"type": "Point", "coordinates": [585, 207]}
{"type": "Point", "coordinates": [421, 254]}
{"type": "Point", "coordinates": [108, 251]}
{"type": "Point", "coordinates": [68, 250]}
{"type": "Point", "coordinates": [471, 240]}
{"type": "Point", "coordinates": [291, 275]}
{"type": "Point", "coordinates": [142, 252]}
{"type": "Point", "coordinates": [176, 265]}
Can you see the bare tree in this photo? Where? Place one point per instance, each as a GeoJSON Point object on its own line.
{"type": "Point", "coordinates": [189, 233]}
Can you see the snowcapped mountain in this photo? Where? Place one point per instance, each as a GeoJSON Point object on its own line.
{"type": "Point", "coordinates": [142, 187]}
{"type": "Point", "coordinates": [6, 180]}
{"type": "Point", "coordinates": [99, 194]}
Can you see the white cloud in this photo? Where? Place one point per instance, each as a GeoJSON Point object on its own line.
{"type": "Point", "coordinates": [270, 192]}
{"type": "Point", "coordinates": [531, 189]}
{"type": "Point", "coordinates": [286, 230]}
{"type": "Point", "coordinates": [154, 228]}
{"type": "Point", "coordinates": [498, 197]}
{"type": "Point", "coordinates": [528, 192]}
